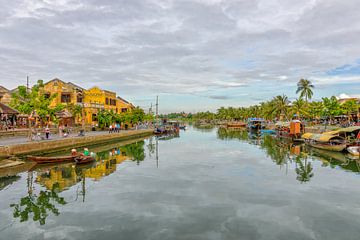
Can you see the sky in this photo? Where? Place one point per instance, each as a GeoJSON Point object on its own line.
{"type": "Point", "coordinates": [195, 55]}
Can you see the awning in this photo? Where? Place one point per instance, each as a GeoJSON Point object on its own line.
{"type": "Point", "coordinates": [282, 124]}
{"type": "Point", "coordinates": [321, 137]}
{"type": "Point", "coordinates": [5, 109]}
{"type": "Point", "coordinates": [344, 130]}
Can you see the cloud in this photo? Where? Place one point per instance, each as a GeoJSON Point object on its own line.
{"type": "Point", "coordinates": [148, 47]}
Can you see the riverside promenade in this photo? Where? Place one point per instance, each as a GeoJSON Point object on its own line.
{"type": "Point", "coordinates": [21, 145]}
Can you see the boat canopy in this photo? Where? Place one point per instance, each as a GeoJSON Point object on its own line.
{"type": "Point", "coordinates": [256, 119]}
{"type": "Point", "coordinates": [344, 130]}
{"type": "Point", "coordinates": [282, 124]}
{"type": "Point", "coordinates": [321, 137]}
{"type": "Point", "coordinates": [307, 135]}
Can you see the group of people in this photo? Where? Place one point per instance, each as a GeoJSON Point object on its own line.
{"type": "Point", "coordinates": [114, 128]}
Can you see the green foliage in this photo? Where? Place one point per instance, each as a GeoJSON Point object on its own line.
{"type": "Point", "coordinates": [106, 117]}
{"type": "Point", "coordinates": [331, 107]}
{"type": "Point", "coordinates": [304, 87]}
{"type": "Point", "coordinates": [38, 206]}
{"type": "Point", "coordinates": [135, 151]}
{"type": "Point", "coordinates": [29, 100]}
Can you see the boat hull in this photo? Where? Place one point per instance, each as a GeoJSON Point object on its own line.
{"type": "Point", "coordinates": [355, 151]}
{"type": "Point", "coordinates": [335, 148]}
{"type": "Point", "coordinates": [42, 160]}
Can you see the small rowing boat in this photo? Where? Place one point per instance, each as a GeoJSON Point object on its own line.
{"type": "Point", "coordinates": [51, 159]}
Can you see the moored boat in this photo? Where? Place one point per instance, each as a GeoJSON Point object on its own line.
{"type": "Point", "coordinates": [51, 159]}
{"type": "Point", "coordinates": [256, 123]}
{"type": "Point", "coordinates": [354, 150]}
{"type": "Point", "coordinates": [235, 125]}
{"type": "Point", "coordinates": [329, 147]}
{"type": "Point", "coordinates": [325, 141]}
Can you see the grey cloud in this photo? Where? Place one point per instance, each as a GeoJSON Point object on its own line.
{"type": "Point", "coordinates": [148, 47]}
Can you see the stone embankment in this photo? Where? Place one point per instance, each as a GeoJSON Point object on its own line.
{"type": "Point", "coordinates": [71, 142]}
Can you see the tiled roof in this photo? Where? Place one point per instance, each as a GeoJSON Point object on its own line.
{"type": "Point", "coordinates": [7, 110]}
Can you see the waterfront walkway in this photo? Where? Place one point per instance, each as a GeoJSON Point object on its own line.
{"type": "Point", "coordinates": [21, 145]}
{"type": "Point", "coordinates": [24, 139]}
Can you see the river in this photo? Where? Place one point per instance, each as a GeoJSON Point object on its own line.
{"type": "Point", "coordinates": [204, 184]}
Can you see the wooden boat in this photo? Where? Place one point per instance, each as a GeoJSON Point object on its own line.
{"type": "Point", "coordinates": [256, 123]}
{"type": "Point", "coordinates": [84, 159]}
{"type": "Point", "coordinates": [354, 150]}
{"type": "Point", "coordinates": [51, 159]}
{"type": "Point", "coordinates": [235, 125]}
{"type": "Point", "coordinates": [329, 147]}
{"type": "Point", "coordinates": [325, 141]}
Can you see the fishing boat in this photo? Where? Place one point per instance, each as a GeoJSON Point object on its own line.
{"type": "Point", "coordinates": [291, 130]}
{"type": "Point", "coordinates": [354, 150]}
{"type": "Point", "coordinates": [256, 123]}
{"type": "Point", "coordinates": [267, 131]}
{"type": "Point", "coordinates": [57, 159]}
{"type": "Point", "coordinates": [235, 125]}
{"type": "Point", "coordinates": [84, 159]}
{"type": "Point", "coordinates": [325, 141]}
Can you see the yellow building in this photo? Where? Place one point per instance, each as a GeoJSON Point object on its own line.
{"type": "Point", "coordinates": [5, 95]}
{"type": "Point", "coordinates": [123, 106]}
{"type": "Point", "coordinates": [66, 92]}
{"type": "Point", "coordinates": [92, 100]}
{"type": "Point", "coordinates": [95, 100]}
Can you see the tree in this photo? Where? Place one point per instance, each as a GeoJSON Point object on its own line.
{"type": "Point", "coordinates": [299, 107]}
{"type": "Point", "coordinates": [280, 105]}
{"type": "Point", "coordinates": [304, 87]}
{"type": "Point", "coordinates": [331, 107]}
{"type": "Point", "coordinates": [35, 100]}
{"type": "Point", "coordinates": [349, 107]}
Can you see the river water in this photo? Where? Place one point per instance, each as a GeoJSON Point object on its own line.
{"type": "Point", "coordinates": [205, 184]}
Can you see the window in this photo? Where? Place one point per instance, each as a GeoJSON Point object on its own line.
{"type": "Point", "coordinates": [65, 98]}
{"type": "Point", "coordinates": [79, 99]}
{"type": "Point", "coordinates": [124, 110]}
{"type": "Point", "coordinates": [106, 101]}
{"type": "Point", "coordinates": [47, 95]}
{"type": "Point", "coordinates": [94, 117]}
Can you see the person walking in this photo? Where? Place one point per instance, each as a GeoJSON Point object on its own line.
{"type": "Point", "coordinates": [110, 128]}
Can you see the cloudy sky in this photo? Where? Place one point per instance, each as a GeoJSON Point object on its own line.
{"type": "Point", "coordinates": [194, 54]}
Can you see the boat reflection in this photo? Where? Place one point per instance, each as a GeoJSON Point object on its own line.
{"type": "Point", "coordinates": [285, 153]}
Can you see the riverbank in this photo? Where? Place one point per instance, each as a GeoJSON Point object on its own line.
{"type": "Point", "coordinates": [58, 144]}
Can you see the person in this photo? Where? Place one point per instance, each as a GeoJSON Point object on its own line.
{"type": "Point", "coordinates": [110, 128]}
{"type": "Point", "coordinates": [86, 152]}
{"type": "Point", "coordinates": [73, 152]}
{"type": "Point", "coordinates": [47, 132]}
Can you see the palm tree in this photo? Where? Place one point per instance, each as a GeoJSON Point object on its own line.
{"type": "Point", "coordinates": [280, 105]}
{"type": "Point", "coordinates": [299, 107]}
{"type": "Point", "coordinates": [304, 87]}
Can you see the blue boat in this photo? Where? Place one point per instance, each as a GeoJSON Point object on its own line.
{"type": "Point", "coordinates": [256, 123]}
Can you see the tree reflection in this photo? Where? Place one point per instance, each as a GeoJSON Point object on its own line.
{"type": "Point", "coordinates": [38, 205]}
{"type": "Point", "coordinates": [303, 170]}
{"type": "Point", "coordinates": [135, 151]}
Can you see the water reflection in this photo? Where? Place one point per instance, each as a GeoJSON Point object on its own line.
{"type": "Point", "coordinates": [56, 178]}
{"type": "Point", "coordinates": [284, 152]}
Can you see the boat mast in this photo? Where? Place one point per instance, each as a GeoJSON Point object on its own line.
{"type": "Point", "coordinates": [157, 109]}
